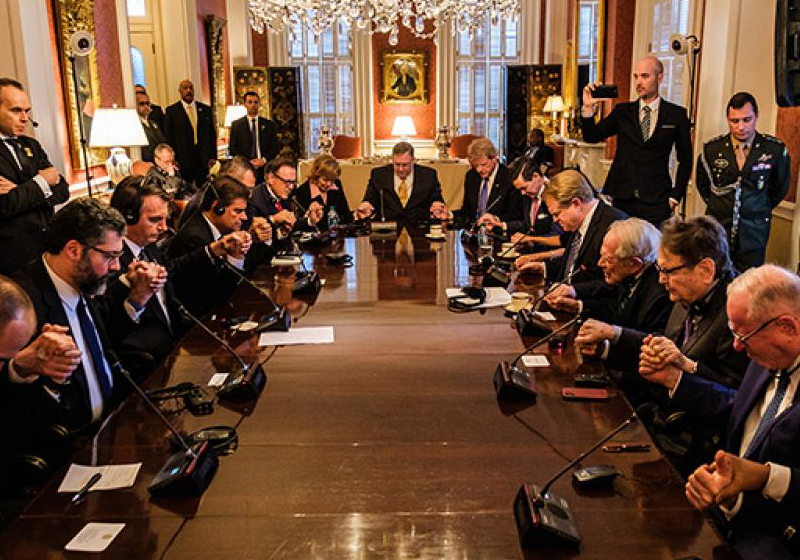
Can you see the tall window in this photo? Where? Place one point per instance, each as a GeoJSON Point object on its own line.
{"type": "Point", "coordinates": [137, 63]}
{"type": "Point", "coordinates": [670, 16]}
{"type": "Point", "coordinates": [137, 8]}
{"type": "Point", "coordinates": [479, 85]}
{"type": "Point", "coordinates": [326, 64]}
{"type": "Point", "coordinates": [588, 20]}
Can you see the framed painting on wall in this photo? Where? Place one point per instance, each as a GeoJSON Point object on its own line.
{"type": "Point", "coordinates": [404, 77]}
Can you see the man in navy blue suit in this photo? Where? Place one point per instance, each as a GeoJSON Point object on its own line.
{"type": "Point", "coordinates": [758, 497]}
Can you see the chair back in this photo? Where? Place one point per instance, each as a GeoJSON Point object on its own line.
{"type": "Point", "coordinates": [346, 147]}
{"type": "Point", "coordinates": [459, 145]}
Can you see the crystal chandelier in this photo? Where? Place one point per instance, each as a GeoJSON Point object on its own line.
{"type": "Point", "coordinates": [380, 16]}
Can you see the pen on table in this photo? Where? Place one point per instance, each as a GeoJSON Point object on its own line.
{"type": "Point", "coordinates": [86, 487]}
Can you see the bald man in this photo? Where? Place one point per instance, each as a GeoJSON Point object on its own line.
{"type": "Point", "coordinates": [639, 180]}
{"type": "Point", "coordinates": [190, 131]}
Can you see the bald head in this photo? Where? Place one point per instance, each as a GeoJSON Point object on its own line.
{"type": "Point", "coordinates": [186, 91]}
{"type": "Point", "coordinates": [647, 75]}
{"type": "Point", "coordinates": [768, 290]}
{"type": "Point", "coordinates": [17, 318]}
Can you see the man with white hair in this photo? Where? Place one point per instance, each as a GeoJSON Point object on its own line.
{"type": "Point", "coordinates": [637, 301]}
{"type": "Point", "coordinates": [761, 419]}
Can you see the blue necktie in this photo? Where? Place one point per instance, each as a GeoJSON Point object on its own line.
{"type": "Point", "coordinates": [483, 199]}
{"type": "Point", "coordinates": [95, 353]}
{"type": "Point", "coordinates": [772, 410]}
{"type": "Point", "coordinates": [574, 247]}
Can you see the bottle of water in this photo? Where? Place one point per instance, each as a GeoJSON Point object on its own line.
{"type": "Point", "coordinates": [484, 243]}
{"type": "Point", "coordinates": [333, 219]}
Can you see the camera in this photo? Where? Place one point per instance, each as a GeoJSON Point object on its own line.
{"type": "Point", "coordinates": [81, 43]}
{"type": "Point", "coordinates": [681, 44]}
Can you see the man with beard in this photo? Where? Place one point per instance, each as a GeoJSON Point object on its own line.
{"type": "Point", "coordinates": [83, 245]}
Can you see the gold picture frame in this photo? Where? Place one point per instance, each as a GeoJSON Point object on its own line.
{"type": "Point", "coordinates": [404, 77]}
{"type": "Point", "coordinates": [252, 78]}
{"type": "Point", "coordinates": [71, 16]}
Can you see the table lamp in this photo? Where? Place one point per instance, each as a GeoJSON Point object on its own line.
{"type": "Point", "coordinates": [554, 105]}
{"type": "Point", "coordinates": [117, 129]}
{"type": "Point", "coordinates": [404, 127]}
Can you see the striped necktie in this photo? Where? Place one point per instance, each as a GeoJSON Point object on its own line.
{"type": "Point", "coordinates": [646, 123]}
{"type": "Point", "coordinates": [772, 409]}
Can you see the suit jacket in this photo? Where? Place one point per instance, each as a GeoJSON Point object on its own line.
{"type": "Point", "coordinates": [193, 158]}
{"type": "Point", "coordinates": [711, 343]}
{"type": "Point", "coordinates": [241, 143]}
{"type": "Point", "coordinates": [646, 309]}
{"type": "Point", "coordinates": [641, 169]}
{"type": "Point", "coordinates": [505, 201]}
{"type": "Point", "coordinates": [336, 199]}
{"type": "Point", "coordinates": [425, 191]}
{"type": "Point", "coordinates": [155, 136]}
{"type": "Point", "coordinates": [74, 409]}
{"type": "Point", "coordinates": [157, 115]}
{"type": "Point", "coordinates": [199, 291]}
{"type": "Point", "coordinates": [25, 212]}
{"type": "Point", "coordinates": [760, 523]}
{"type": "Point", "coordinates": [589, 252]}
{"type": "Point", "coordinates": [544, 224]}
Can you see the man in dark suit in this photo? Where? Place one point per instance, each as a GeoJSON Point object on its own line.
{"type": "Point", "coordinates": [743, 176]}
{"type": "Point", "coordinates": [538, 150]}
{"type": "Point", "coordinates": [585, 220]}
{"type": "Point", "coordinates": [402, 191]}
{"type": "Point", "coordinates": [190, 131]}
{"type": "Point", "coordinates": [145, 208]}
{"type": "Point", "coordinates": [488, 189]}
{"type": "Point", "coordinates": [223, 211]}
{"type": "Point", "coordinates": [761, 421]}
{"type": "Point", "coordinates": [647, 129]}
{"type": "Point", "coordinates": [156, 112]}
{"type": "Point", "coordinates": [254, 137]}
{"type": "Point", "coordinates": [29, 184]}
{"type": "Point", "coordinates": [152, 130]}
{"type": "Point", "coordinates": [638, 300]}
{"type": "Point", "coordinates": [82, 248]}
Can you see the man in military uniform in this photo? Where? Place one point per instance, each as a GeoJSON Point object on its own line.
{"type": "Point", "coordinates": [742, 176]}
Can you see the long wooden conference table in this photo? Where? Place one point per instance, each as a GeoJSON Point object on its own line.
{"type": "Point", "coordinates": [388, 443]}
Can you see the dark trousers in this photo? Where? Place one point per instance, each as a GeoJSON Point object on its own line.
{"type": "Point", "coordinates": [656, 214]}
{"type": "Point", "coordinates": [743, 260]}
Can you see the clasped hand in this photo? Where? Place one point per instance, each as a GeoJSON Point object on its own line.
{"type": "Point", "coordinates": [53, 354]}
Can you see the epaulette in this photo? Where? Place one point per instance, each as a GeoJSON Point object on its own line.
{"type": "Point", "coordinates": [716, 139]}
{"type": "Point", "coordinates": [771, 138]}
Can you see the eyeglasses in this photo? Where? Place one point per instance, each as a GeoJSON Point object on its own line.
{"type": "Point", "coordinates": [287, 182]}
{"type": "Point", "coordinates": [110, 256]}
{"type": "Point", "coordinates": [743, 338]}
{"type": "Point", "coordinates": [672, 270]}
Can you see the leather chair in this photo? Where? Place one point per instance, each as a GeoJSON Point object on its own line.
{"type": "Point", "coordinates": [346, 147]}
{"type": "Point", "coordinates": [558, 155]}
{"type": "Point", "coordinates": [140, 167]}
{"type": "Point", "coordinates": [459, 145]}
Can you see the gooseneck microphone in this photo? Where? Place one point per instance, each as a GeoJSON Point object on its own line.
{"type": "Point", "coordinates": [189, 470]}
{"type": "Point", "coordinates": [276, 320]}
{"type": "Point", "coordinates": [544, 516]}
{"type": "Point", "coordinates": [526, 323]}
{"type": "Point", "coordinates": [242, 385]}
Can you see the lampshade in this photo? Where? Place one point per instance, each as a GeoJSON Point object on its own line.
{"type": "Point", "coordinates": [554, 104]}
{"type": "Point", "coordinates": [112, 128]}
{"type": "Point", "coordinates": [404, 126]}
{"type": "Point", "coordinates": [233, 112]}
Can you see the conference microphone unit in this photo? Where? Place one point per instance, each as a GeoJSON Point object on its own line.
{"type": "Point", "coordinates": [511, 381]}
{"type": "Point", "coordinates": [276, 320]}
{"type": "Point", "coordinates": [247, 382]}
{"type": "Point", "coordinates": [189, 470]}
{"type": "Point", "coordinates": [526, 322]}
{"type": "Point", "coordinates": [382, 226]}
{"type": "Point", "coordinates": [543, 517]}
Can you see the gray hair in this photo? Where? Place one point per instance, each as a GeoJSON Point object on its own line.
{"type": "Point", "coordinates": [637, 238]}
{"type": "Point", "coordinates": [770, 290]}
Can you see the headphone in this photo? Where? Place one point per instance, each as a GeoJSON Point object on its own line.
{"type": "Point", "coordinates": [220, 208]}
{"type": "Point", "coordinates": [459, 303]}
{"type": "Point", "coordinates": [130, 204]}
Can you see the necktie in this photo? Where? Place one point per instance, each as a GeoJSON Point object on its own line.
{"type": "Point", "coordinates": [688, 326]}
{"type": "Point", "coordinates": [192, 120]}
{"type": "Point", "coordinates": [16, 145]}
{"type": "Point", "coordinates": [254, 134]}
{"type": "Point", "coordinates": [95, 353]}
{"type": "Point", "coordinates": [402, 192]}
{"type": "Point", "coordinates": [772, 410]}
{"type": "Point", "coordinates": [483, 199]}
{"type": "Point", "coordinates": [741, 155]}
{"type": "Point", "coordinates": [646, 123]}
{"type": "Point", "coordinates": [534, 212]}
{"type": "Point", "coordinates": [573, 253]}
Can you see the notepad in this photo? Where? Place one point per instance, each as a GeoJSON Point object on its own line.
{"type": "Point", "coordinates": [113, 477]}
{"type": "Point", "coordinates": [309, 335]}
{"type": "Point", "coordinates": [94, 537]}
{"type": "Point", "coordinates": [536, 360]}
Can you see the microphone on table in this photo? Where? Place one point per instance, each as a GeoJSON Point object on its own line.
{"type": "Point", "coordinates": [242, 385]}
{"type": "Point", "coordinates": [276, 320]}
{"type": "Point", "coordinates": [189, 470]}
{"type": "Point", "coordinates": [470, 235]}
{"type": "Point", "coordinates": [382, 226]}
{"type": "Point", "coordinates": [526, 323]}
{"type": "Point", "coordinates": [496, 273]}
{"type": "Point", "coordinates": [512, 381]}
{"type": "Point", "coordinates": [543, 516]}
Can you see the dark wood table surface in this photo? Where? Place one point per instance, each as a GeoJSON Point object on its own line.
{"type": "Point", "coordinates": [388, 443]}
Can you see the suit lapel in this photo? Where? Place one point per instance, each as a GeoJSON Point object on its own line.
{"type": "Point", "coordinates": [416, 189]}
{"type": "Point", "coordinates": [592, 231]}
{"type": "Point", "coordinates": [15, 176]}
{"type": "Point", "coordinates": [749, 399]}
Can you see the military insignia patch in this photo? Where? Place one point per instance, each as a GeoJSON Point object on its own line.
{"type": "Point", "coordinates": [28, 152]}
{"type": "Point", "coordinates": [721, 163]}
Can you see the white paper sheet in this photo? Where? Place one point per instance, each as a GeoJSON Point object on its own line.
{"type": "Point", "coordinates": [309, 335]}
{"type": "Point", "coordinates": [536, 360]}
{"type": "Point", "coordinates": [545, 316]}
{"type": "Point", "coordinates": [94, 537]}
{"type": "Point", "coordinates": [217, 379]}
{"type": "Point", "coordinates": [113, 477]}
{"type": "Point", "coordinates": [495, 297]}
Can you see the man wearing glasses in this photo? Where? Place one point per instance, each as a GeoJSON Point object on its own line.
{"type": "Point", "coordinates": [754, 480]}
{"type": "Point", "coordinates": [151, 129]}
{"type": "Point", "coordinates": [82, 247]}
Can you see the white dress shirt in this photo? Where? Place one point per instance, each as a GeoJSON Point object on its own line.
{"type": "Point", "coordinates": [161, 294]}
{"type": "Point", "coordinates": [238, 263]}
{"type": "Point", "coordinates": [409, 183]}
{"type": "Point", "coordinates": [654, 105]}
{"type": "Point", "coordinates": [250, 121]}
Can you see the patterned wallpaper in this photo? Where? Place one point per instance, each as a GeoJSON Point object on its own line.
{"type": "Point", "coordinates": [788, 130]}
{"type": "Point", "coordinates": [108, 55]}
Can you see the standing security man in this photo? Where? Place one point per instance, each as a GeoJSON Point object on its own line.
{"type": "Point", "coordinates": [742, 176]}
